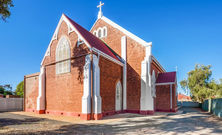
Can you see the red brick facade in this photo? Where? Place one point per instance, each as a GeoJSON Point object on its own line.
{"type": "Point", "coordinates": [135, 55]}
{"type": "Point", "coordinates": [110, 74]}
{"type": "Point", "coordinates": [64, 92]}
{"type": "Point", "coordinates": [157, 70]}
{"type": "Point", "coordinates": [163, 98]}
{"type": "Point", "coordinates": [31, 91]}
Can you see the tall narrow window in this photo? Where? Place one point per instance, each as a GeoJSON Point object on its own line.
{"type": "Point", "coordinates": [118, 96]}
{"type": "Point", "coordinates": [99, 33]}
{"type": "Point", "coordinates": [104, 31]}
{"type": "Point", "coordinates": [62, 53]}
{"type": "Point", "coordinates": [94, 33]}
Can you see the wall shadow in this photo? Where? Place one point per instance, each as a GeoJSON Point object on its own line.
{"type": "Point", "coordinates": [181, 124]}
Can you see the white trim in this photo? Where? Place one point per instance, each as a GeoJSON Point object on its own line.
{"type": "Point", "coordinates": [108, 57]}
{"type": "Point", "coordinates": [69, 29]}
{"type": "Point", "coordinates": [41, 92]}
{"type": "Point", "coordinates": [86, 98]}
{"type": "Point", "coordinates": [126, 32]}
{"type": "Point", "coordinates": [170, 96]}
{"type": "Point", "coordinates": [97, 105]}
{"type": "Point", "coordinates": [129, 34]}
{"type": "Point", "coordinates": [70, 26]}
{"type": "Point", "coordinates": [97, 34]}
{"type": "Point", "coordinates": [104, 28]}
{"type": "Point", "coordinates": [102, 32]}
{"type": "Point", "coordinates": [153, 58]}
{"type": "Point", "coordinates": [123, 54]}
{"type": "Point", "coordinates": [94, 24]}
{"type": "Point", "coordinates": [95, 31]}
{"type": "Point", "coordinates": [79, 43]}
{"type": "Point", "coordinates": [168, 83]}
{"type": "Point", "coordinates": [118, 85]}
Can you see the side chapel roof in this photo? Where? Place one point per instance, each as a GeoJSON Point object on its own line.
{"type": "Point", "coordinates": [167, 77]}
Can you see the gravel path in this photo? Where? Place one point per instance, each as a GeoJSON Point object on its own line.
{"type": "Point", "coordinates": [187, 121]}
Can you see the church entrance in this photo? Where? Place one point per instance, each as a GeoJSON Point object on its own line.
{"type": "Point", "coordinates": [118, 96]}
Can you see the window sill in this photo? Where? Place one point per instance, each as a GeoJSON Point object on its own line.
{"type": "Point", "coordinates": [62, 73]}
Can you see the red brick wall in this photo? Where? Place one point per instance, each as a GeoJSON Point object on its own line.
{"type": "Point", "coordinates": [31, 90]}
{"type": "Point", "coordinates": [163, 97]}
{"type": "Point", "coordinates": [157, 70]}
{"type": "Point", "coordinates": [174, 97]}
{"type": "Point", "coordinates": [1, 96]}
{"type": "Point", "coordinates": [64, 91]}
{"type": "Point", "coordinates": [135, 55]}
{"type": "Point", "coordinates": [110, 74]}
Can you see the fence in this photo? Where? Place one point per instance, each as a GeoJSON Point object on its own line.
{"type": "Point", "coordinates": [188, 103]}
{"type": "Point", "coordinates": [213, 106]}
{"type": "Point", "coordinates": [11, 104]}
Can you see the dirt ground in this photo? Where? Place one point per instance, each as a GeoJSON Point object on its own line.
{"type": "Point", "coordinates": [185, 121]}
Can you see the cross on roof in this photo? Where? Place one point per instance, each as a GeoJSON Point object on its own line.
{"type": "Point", "coordinates": [100, 6]}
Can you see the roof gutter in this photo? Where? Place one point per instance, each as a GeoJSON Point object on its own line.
{"type": "Point", "coordinates": [167, 83]}
{"type": "Point", "coordinates": [157, 62]}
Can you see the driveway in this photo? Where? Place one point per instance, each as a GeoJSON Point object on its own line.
{"type": "Point", "coordinates": [186, 121]}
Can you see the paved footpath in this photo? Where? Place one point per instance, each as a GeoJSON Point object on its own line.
{"type": "Point", "coordinates": [186, 121]}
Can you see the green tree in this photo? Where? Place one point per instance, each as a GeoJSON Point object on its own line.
{"type": "Point", "coordinates": [20, 89]}
{"type": "Point", "coordinates": [4, 9]}
{"type": "Point", "coordinates": [200, 84]}
{"type": "Point", "coordinates": [2, 90]}
{"type": "Point", "coordinates": [6, 90]}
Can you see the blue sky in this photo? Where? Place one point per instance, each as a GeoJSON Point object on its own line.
{"type": "Point", "coordinates": [183, 32]}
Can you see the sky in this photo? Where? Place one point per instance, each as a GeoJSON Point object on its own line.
{"type": "Point", "coordinates": [183, 32]}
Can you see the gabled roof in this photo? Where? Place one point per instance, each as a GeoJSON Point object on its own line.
{"type": "Point", "coordinates": [126, 32]}
{"type": "Point", "coordinates": [129, 34]}
{"type": "Point", "coordinates": [92, 40]}
{"type": "Point", "coordinates": [167, 77]}
{"type": "Point", "coordinates": [182, 96]}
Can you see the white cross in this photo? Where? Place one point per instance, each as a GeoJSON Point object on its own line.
{"type": "Point", "coordinates": [100, 6]}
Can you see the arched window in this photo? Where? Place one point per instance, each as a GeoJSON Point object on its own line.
{"type": "Point", "coordinates": [100, 33]}
{"type": "Point", "coordinates": [62, 52]}
{"type": "Point", "coordinates": [104, 31]}
{"type": "Point", "coordinates": [118, 96]}
{"type": "Point", "coordinates": [94, 33]}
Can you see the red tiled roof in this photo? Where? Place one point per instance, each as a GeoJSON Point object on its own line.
{"type": "Point", "coordinates": [92, 40]}
{"type": "Point", "coordinates": [182, 96]}
{"type": "Point", "coordinates": [167, 77]}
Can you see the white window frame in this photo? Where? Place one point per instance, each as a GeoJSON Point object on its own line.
{"type": "Point", "coordinates": [95, 33]}
{"type": "Point", "coordinates": [100, 29]}
{"type": "Point", "coordinates": [104, 34]}
{"type": "Point", "coordinates": [118, 86]}
{"type": "Point", "coordinates": [67, 49]}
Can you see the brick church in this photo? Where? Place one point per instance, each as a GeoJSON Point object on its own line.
{"type": "Point", "coordinates": [98, 73]}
